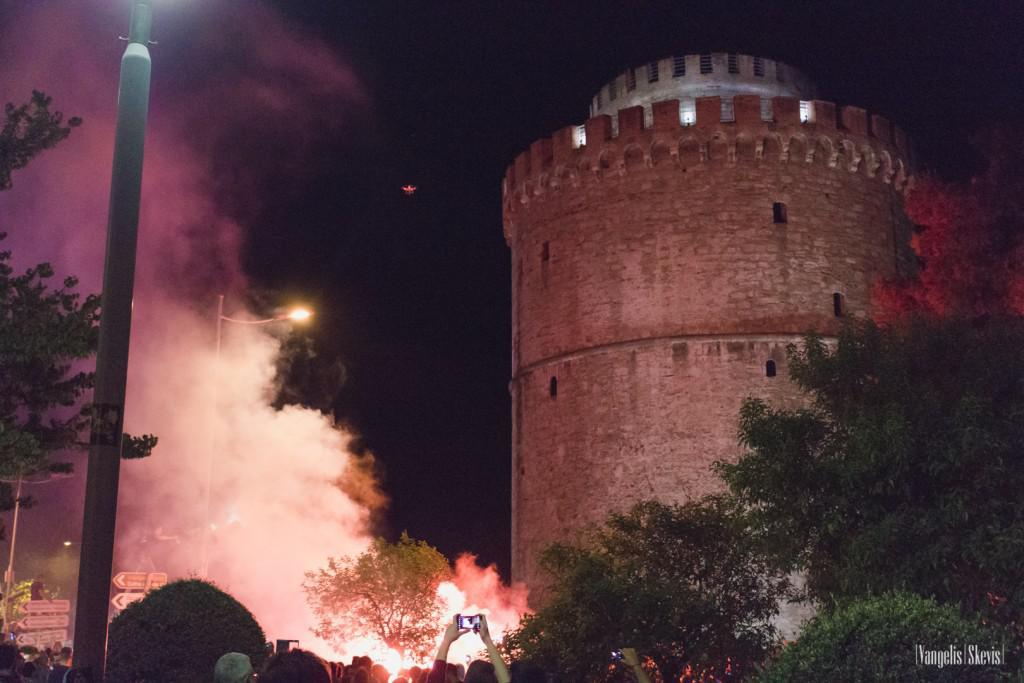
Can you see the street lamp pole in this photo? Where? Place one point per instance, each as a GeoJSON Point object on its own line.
{"type": "Point", "coordinates": [295, 315]}
{"type": "Point", "coordinates": [112, 355]}
{"type": "Point", "coordinates": [9, 575]}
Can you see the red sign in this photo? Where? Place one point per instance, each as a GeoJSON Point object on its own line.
{"type": "Point", "coordinates": [56, 606]}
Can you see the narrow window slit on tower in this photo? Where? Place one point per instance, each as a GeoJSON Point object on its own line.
{"type": "Point", "coordinates": [545, 252]}
{"type": "Point", "coordinates": [769, 368]}
{"type": "Point", "coordinates": [779, 213]}
{"type": "Point", "coordinates": [734, 64]}
{"type": "Point", "coordinates": [837, 304]}
{"type": "Point", "coordinates": [705, 64]}
{"type": "Point", "coordinates": [652, 72]}
{"type": "Point", "coordinates": [553, 387]}
{"type": "Point", "coordinates": [678, 67]}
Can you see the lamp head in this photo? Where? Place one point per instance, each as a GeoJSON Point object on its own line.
{"type": "Point", "coordinates": [300, 314]}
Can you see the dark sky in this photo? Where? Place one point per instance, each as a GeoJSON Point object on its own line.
{"type": "Point", "coordinates": [414, 292]}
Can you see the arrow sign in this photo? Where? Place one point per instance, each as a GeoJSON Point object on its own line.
{"type": "Point", "coordinates": [122, 600]}
{"type": "Point", "coordinates": [155, 580]}
{"type": "Point", "coordinates": [57, 606]}
{"type": "Point", "coordinates": [130, 580]}
{"type": "Point", "coordinates": [36, 621]}
{"type": "Point", "coordinates": [42, 638]}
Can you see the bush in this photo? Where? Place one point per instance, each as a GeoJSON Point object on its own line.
{"type": "Point", "coordinates": [876, 639]}
{"type": "Point", "coordinates": [177, 633]}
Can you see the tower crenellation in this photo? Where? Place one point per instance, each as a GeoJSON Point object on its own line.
{"type": "Point", "coordinates": [847, 137]}
{"type": "Point", "coordinates": [664, 254]}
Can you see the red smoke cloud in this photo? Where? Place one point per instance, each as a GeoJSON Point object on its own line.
{"type": "Point", "coordinates": [237, 94]}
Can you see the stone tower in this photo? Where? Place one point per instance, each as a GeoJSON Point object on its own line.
{"type": "Point", "coordinates": [664, 253]}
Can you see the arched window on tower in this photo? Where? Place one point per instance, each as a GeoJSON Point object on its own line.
{"type": "Point", "coordinates": [545, 252]}
{"type": "Point", "coordinates": [652, 72]}
{"type": "Point", "coordinates": [678, 66]}
{"type": "Point", "coordinates": [769, 368]}
{"type": "Point", "coordinates": [553, 387]}
{"type": "Point", "coordinates": [837, 304]}
{"type": "Point", "coordinates": [779, 213]}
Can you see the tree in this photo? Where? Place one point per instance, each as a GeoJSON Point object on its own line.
{"type": "Point", "coordinates": [177, 633]}
{"type": "Point", "coordinates": [44, 332]}
{"type": "Point", "coordinates": [388, 592]}
{"type": "Point", "coordinates": [28, 130]}
{"type": "Point", "coordinates": [970, 240]}
{"type": "Point", "coordinates": [877, 639]}
{"type": "Point", "coordinates": [683, 585]}
{"type": "Point", "coordinates": [906, 472]}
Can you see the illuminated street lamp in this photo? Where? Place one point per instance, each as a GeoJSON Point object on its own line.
{"type": "Point", "coordinates": [298, 314]}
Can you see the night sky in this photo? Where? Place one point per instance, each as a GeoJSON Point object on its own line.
{"type": "Point", "coordinates": [413, 293]}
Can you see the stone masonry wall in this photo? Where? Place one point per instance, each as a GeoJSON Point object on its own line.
{"type": "Point", "coordinates": [652, 284]}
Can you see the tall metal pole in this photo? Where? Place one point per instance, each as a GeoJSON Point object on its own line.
{"type": "Point", "coordinates": [112, 357]}
{"type": "Point", "coordinates": [205, 568]}
{"type": "Point", "coordinates": [9, 575]}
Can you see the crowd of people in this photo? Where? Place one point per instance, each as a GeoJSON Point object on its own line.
{"type": "Point", "coordinates": [302, 666]}
{"type": "Point", "coordinates": [47, 666]}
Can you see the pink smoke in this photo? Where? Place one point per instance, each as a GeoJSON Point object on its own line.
{"type": "Point", "coordinates": [277, 505]}
{"type": "Point", "coordinates": [250, 92]}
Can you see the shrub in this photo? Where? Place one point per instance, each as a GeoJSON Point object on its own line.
{"type": "Point", "coordinates": [876, 639]}
{"type": "Point", "coordinates": [177, 633]}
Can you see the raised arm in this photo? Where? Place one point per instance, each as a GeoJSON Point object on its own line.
{"type": "Point", "coordinates": [500, 670]}
{"type": "Point", "coordinates": [629, 657]}
{"type": "Point", "coordinates": [451, 634]}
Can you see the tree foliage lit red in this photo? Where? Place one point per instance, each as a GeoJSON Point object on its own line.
{"type": "Point", "coordinates": [969, 240]}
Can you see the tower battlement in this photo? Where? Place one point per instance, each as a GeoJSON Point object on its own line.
{"type": "Point", "coordinates": [685, 77]}
{"type": "Point", "coordinates": [664, 253]}
{"type": "Point", "coordinates": [783, 130]}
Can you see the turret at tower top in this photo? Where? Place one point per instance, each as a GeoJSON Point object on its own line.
{"type": "Point", "coordinates": [686, 77]}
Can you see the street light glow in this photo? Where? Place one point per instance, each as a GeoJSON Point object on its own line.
{"type": "Point", "coordinates": [67, 544]}
{"type": "Point", "coordinates": [300, 314]}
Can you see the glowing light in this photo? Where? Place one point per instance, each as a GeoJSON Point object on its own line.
{"type": "Point", "coordinates": [300, 314]}
{"type": "Point", "coordinates": [409, 190]}
{"type": "Point", "coordinates": [67, 544]}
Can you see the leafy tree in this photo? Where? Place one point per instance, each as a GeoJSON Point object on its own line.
{"type": "Point", "coordinates": [970, 239]}
{"type": "Point", "coordinates": [28, 130]}
{"type": "Point", "coordinates": [875, 639]}
{"type": "Point", "coordinates": [683, 585]}
{"type": "Point", "coordinates": [388, 592]}
{"type": "Point", "coordinates": [177, 633]}
{"type": "Point", "coordinates": [905, 473]}
{"type": "Point", "coordinates": [44, 332]}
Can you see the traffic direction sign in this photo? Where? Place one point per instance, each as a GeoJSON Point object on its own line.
{"type": "Point", "coordinates": [122, 600]}
{"type": "Point", "coordinates": [53, 606]}
{"type": "Point", "coordinates": [42, 638]}
{"type": "Point", "coordinates": [37, 621]}
{"type": "Point", "coordinates": [139, 580]}
{"type": "Point", "coordinates": [130, 580]}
